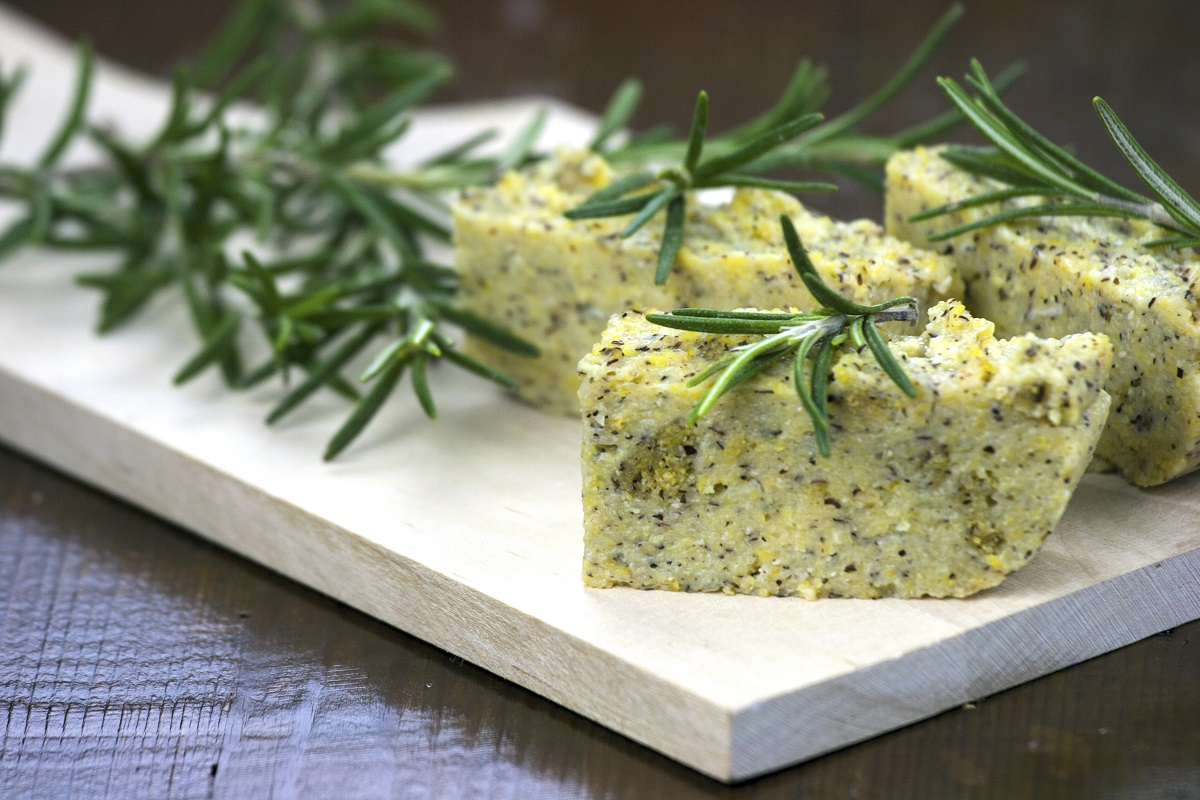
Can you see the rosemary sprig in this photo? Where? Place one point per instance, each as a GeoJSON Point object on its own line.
{"type": "Point", "coordinates": [790, 134]}
{"type": "Point", "coordinates": [337, 235]}
{"type": "Point", "coordinates": [644, 194]}
{"type": "Point", "coordinates": [1029, 165]}
{"type": "Point", "coordinates": [798, 336]}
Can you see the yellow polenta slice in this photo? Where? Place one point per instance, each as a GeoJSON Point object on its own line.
{"type": "Point", "coordinates": [941, 495]}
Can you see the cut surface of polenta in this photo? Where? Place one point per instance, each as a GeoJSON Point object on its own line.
{"type": "Point", "coordinates": [1059, 275]}
{"type": "Point", "coordinates": [556, 282]}
{"type": "Point", "coordinates": [941, 495]}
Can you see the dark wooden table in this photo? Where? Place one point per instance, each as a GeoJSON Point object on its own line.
{"type": "Point", "coordinates": [139, 661]}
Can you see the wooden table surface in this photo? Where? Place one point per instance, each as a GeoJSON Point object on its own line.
{"type": "Point", "coordinates": [138, 661]}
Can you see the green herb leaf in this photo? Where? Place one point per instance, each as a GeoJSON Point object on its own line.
{"type": "Point", "coordinates": [820, 394]}
{"type": "Point", "coordinates": [672, 239]}
{"type": "Point", "coordinates": [420, 382]}
{"type": "Point", "coordinates": [323, 373]}
{"type": "Point", "coordinates": [9, 86]}
{"type": "Point", "coordinates": [16, 235]}
{"type": "Point", "coordinates": [1181, 204]}
{"type": "Point", "coordinates": [611, 208]}
{"type": "Point", "coordinates": [889, 90]}
{"type": "Point", "coordinates": [365, 411]}
{"type": "Point", "coordinates": [618, 113]}
{"type": "Point", "coordinates": [73, 122]}
{"type": "Point", "coordinates": [518, 152]}
{"type": "Point", "coordinates": [488, 331]}
{"type": "Point", "coordinates": [652, 207]}
{"type": "Point", "coordinates": [707, 171]}
{"type": "Point", "coordinates": [215, 347]}
{"type": "Point", "coordinates": [478, 368]}
{"type": "Point", "coordinates": [885, 357]}
{"type": "Point", "coordinates": [1030, 212]}
{"type": "Point", "coordinates": [234, 41]}
{"type": "Point", "coordinates": [695, 145]}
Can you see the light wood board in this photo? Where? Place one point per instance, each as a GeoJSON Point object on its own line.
{"type": "Point", "coordinates": [467, 532]}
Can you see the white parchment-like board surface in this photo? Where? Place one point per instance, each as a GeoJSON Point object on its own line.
{"type": "Point", "coordinates": [467, 532]}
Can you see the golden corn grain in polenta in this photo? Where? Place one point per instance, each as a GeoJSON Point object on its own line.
{"type": "Point", "coordinates": [1059, 275]}
{"type": "Point", "coordinates": [556, 282]}
{"type": "Point", "coordinates": [941, 495]}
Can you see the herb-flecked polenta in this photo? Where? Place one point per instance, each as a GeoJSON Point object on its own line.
{"type": "Point", "coordinates": [942, 495]}
{"type": "Point", "coordinates": [556, 282]}
{"type": "Point", "coordinates": [1059, 275]}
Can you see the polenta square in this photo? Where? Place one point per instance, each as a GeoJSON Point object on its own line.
{"type": "Point", "coordinates": [556, 282]}
{"type": "Point", "coordinates": [942, 495]}
{"type": "Point", "coordinates": [1059, 275]}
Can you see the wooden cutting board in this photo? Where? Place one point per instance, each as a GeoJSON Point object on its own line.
{"type": "Point", "coordinates": [467, 532]}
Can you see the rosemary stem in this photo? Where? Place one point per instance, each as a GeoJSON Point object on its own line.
{"type": "Point", "coordinates": [905, 313]}
{"type": "Point", "coordinates": [380, 175]}
{"type": "Point", "coordinates": [1152, 212]}
{"type": "Point", "coordinates": [818, 328]}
